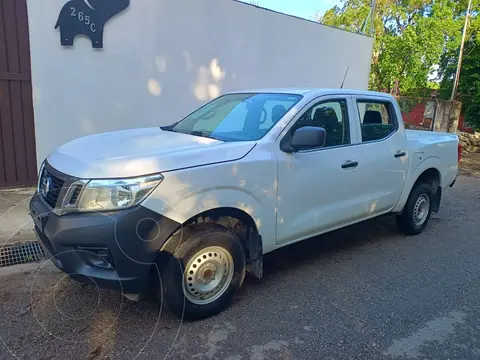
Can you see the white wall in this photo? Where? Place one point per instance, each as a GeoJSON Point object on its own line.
{"type": "Point", "coordinates": [162, 58]}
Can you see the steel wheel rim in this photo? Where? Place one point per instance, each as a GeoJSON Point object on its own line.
{"type": "Point", "coordinates": [207, 275]}
{"type": "Point", "coordinates": [421, 210]}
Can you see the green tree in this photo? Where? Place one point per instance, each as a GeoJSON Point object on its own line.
{"type": "Point", "coordinates": [468, 91]}
{"type": "Point", "coordinates": [410, 38]}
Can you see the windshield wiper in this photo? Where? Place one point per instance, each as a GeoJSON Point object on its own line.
{"type": "Point", "coordinates": [168, 128]}
{"type": "Point", "coordinates": [200, 133]}
{"type": "Point", "coordinates": [194, 132]}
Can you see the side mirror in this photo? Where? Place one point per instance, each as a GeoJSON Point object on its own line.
{"type": "Point", "coordinates": [308, 137]}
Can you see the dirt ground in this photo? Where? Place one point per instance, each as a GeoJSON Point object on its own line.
{"type": "Point", "coordinates": [470, 165]}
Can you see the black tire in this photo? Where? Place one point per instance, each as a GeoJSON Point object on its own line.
{"type": "Point", "coordinates": [405, 221]}
{"type": "Point", "coordinates": [194, 239]}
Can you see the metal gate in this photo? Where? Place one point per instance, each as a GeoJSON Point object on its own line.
{"type": "Point", "coordinates": [17, 133]}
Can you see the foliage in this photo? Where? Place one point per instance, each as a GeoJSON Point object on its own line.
{"type": "Point", "coordinates": [468, 91]}
{"type": "Point", "coordinates": [410, 38]}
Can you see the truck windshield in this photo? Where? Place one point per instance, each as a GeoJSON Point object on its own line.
{"type": "Point", "coordinates": [237, 117]}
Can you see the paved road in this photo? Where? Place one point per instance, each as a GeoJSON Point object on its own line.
{"type": "Point", "coordinates": [361, 293]}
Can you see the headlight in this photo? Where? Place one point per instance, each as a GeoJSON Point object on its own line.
{"type": "Point", "coordinates": [116, 194]}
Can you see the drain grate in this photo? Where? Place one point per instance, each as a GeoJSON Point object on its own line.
{"type": "Point", "coordinates": [21, 253]}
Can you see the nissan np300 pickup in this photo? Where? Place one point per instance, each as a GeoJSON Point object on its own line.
{"type": "Point", "coordinates": [247, 173]}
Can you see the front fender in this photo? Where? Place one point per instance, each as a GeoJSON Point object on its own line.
{"type": "Point", "coordinates": [195, 203]}
{"type": "Point", "coordinates": [184, 194]}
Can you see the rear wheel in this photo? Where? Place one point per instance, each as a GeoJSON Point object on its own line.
{"type": "Point", "coordinates": [205, 272]}
{"type": "Point", "coordinates": [417, 211]}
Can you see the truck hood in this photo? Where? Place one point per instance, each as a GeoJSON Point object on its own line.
{"type": "Point", "coordinates": [138, 152]}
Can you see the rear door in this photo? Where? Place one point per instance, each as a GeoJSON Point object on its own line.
{"type": "Point", "coordinates": [382, 152]}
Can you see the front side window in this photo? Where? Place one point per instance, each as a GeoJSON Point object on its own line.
{"type": "Point", "coordinates": [333, 117]}
{"type": "Point", "coordinates": [377, 120]}
{"type": "Point", "coordinates": [237, 117]}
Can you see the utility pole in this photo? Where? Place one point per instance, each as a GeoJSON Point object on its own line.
{"type": "Point", "coordinates": [460, 56]}
{"type": "Point", "coordinates": [372, 17]}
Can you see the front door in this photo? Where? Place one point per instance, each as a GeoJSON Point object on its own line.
{"type": "Point", "coordinates": [319, 189]}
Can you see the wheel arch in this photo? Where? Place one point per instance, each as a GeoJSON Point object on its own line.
{"type": "Point", "coordinates": [430, 175]}
{"type": "Point", "coordinates": [236, 220]}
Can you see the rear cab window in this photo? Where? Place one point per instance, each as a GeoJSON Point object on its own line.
{"type": "Point", "coordinates": [377, 119]}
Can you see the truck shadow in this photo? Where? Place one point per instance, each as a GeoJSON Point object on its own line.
{"type": "Point", "coordinates": [337, 246]}
{"type": "Point", "coordinates": [327, 245]}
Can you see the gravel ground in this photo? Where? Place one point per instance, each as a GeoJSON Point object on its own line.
{"type": "Point", "coordinates": [470, 165]}
{"type": "Point", "coordinates": [364, 292]}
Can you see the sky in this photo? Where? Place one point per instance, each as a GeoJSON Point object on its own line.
{"type": "Point", "coordinates": [302, 8]}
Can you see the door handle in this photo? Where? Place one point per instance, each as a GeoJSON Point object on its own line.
{"type": "Point", "coordinates": [400, 153]}
{"type": "Point", "coordinates": [349, 164]}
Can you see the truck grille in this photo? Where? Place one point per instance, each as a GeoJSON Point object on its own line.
{"type": "Point", "coordinates": [57, 189]}
{"type": "Point", "coordinates": [50, 187]}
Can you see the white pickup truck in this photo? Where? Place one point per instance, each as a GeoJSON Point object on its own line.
{"type": "Point", "coordinates": [202, 200]}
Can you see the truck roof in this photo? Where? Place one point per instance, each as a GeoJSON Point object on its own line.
{"type": "Point", "coordinates": [313, 92]}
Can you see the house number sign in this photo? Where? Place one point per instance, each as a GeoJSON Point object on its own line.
{"type": "Point", "coordinates": [87, 17]}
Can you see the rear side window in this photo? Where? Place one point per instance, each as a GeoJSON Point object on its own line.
{"type": "Point", "coordinates": [377, 120]}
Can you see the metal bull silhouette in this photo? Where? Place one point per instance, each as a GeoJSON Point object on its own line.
{"type": "Point", "coordinates": [87, 17]}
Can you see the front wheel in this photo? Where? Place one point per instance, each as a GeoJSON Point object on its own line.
{"type": "Point", "coordinates": [204, 273]}
{"type": "Point", "coordinates": [417, 210]}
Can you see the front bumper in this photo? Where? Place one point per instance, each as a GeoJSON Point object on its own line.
{"type": "Point", "coordinates": [116, 250]}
